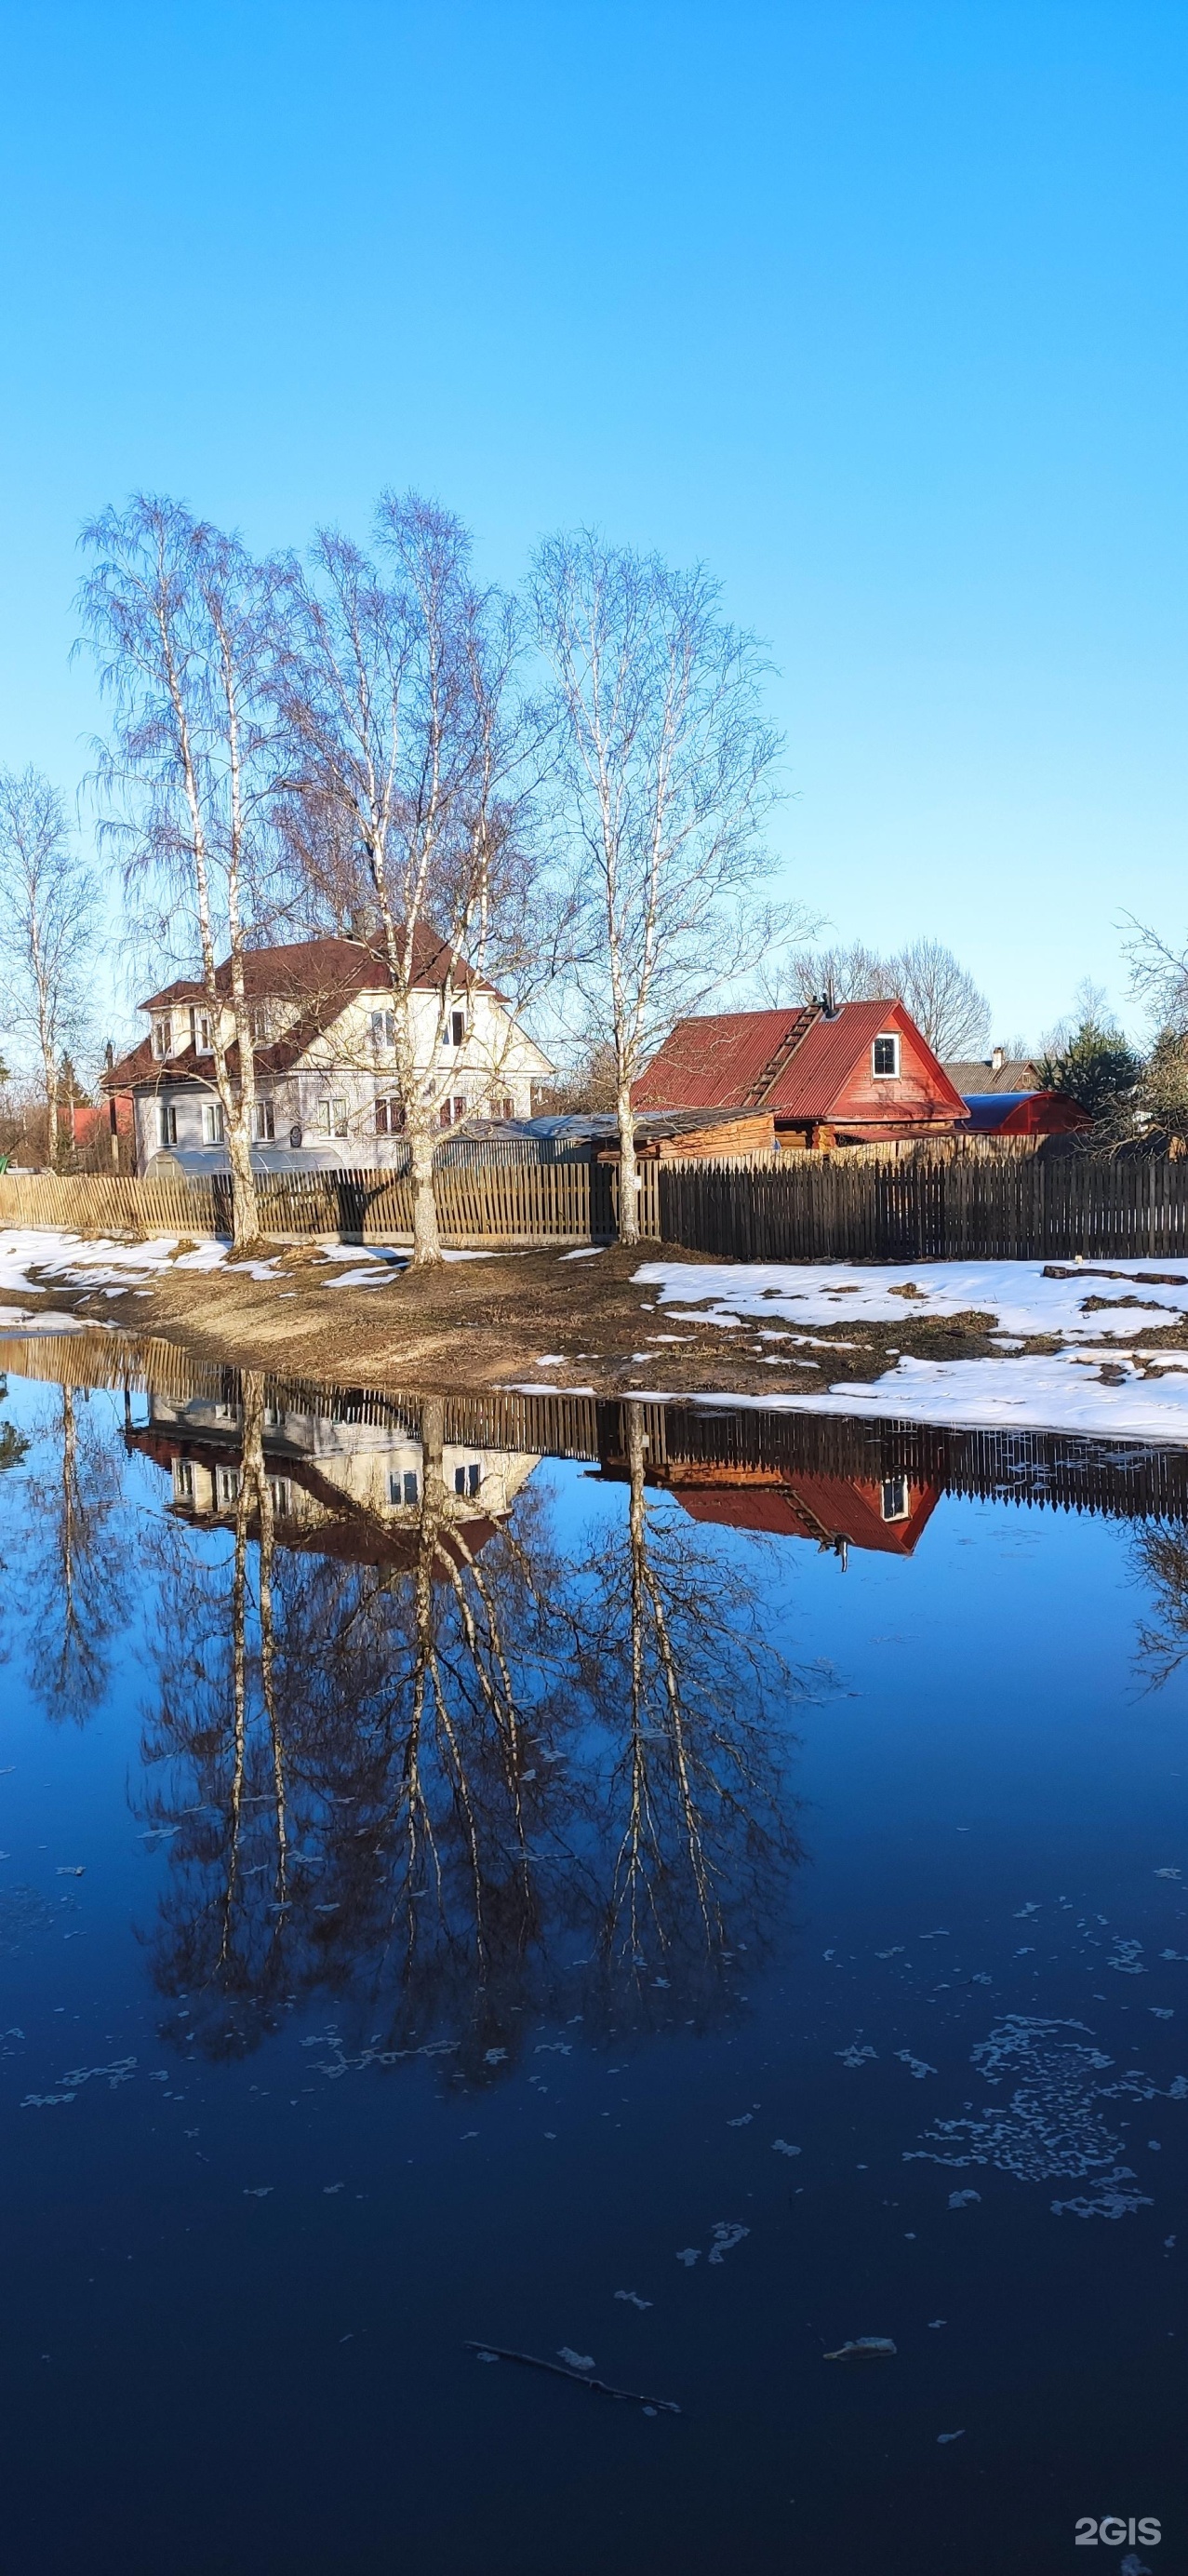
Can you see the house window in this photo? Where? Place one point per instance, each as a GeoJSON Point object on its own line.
{"type": "Point", "coordinates": [212, 1122]}
{"type": "Point", "coordinates": [454, 1032]}
{"type": "Point", "coordinates": [200, 1032]}
{"type": "Point", "coordinates": [162, 1037]}
{"type": "Point", "coordinates": [332, 1117]}
{"type": "Point", "coordinates": [282, 1497]}
{"type": "Point", "coordinates": [895, 1498]}
{"type": "Point", "coordinates": [389, 1116]}
{"type": "Point", "coordinates": [228, 1486]}
{"type": "Point", "coordinates": [263, 1127]}
{"type": "Point", "coordinates": [383, 1029]}
{"type": "Point", "coordinates": [260, 1023]}
{"type": "Point", "coordinates": [885, 1057]}
{"type": "Point", "coordinates": [404, 1489]}
{"type": "Point", "coordinates": [183, 1480]}
{"type": "Point", "coordinates": [467, 1479]}
{"type": "Point", "coordinates": [168, 1117]}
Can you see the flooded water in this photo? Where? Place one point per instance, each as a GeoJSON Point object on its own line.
{"type": "Point", "coordinates": [667, 1892]}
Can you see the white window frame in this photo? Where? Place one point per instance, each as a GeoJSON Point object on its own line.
{"type": "Point", "coordinates": [886, 1037]}
{"type": "Point", "coordinates": [895, 1499]}
{"type": "Point", "coordinates": [260, 1022]}
{"type": "Point", "coordinates": [383, 1031]}
{"type": "Point", "coordinates": [453, 1033]}
{"type": "Point", "coordinates": [200, 1028]}
{"type": "Point", "coordinates": [167, 1117]}
{"type": "Point", "coordinates": [163, 1038]}
{"type": "Point", "coordinates": [212, 1122]}
{"type": "Point", "coordinates": [263, 1122]}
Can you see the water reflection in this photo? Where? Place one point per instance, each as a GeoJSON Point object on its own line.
{"type": "Point", "coordinates": [414, 1755]}
{"type": "Point", "coordinates": [76, 1595]}
{"type": "Point", "coordinates": [411, 1753]}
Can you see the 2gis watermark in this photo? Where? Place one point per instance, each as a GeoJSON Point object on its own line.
{"type": "Point", "coordinates": [1113, 2530]}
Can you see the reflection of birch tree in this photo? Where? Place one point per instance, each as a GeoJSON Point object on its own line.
{"type": "Point", "coordinates": [407, 1784]}
{"type": "Point", "coordinates": [385, 1716]}
{"type": "Point", "coordinates": [680, 1673]}
{"type": "Point", "coordinates": [76, 1583]}
{"type": "Point", "coordinates": [1161, 1559]}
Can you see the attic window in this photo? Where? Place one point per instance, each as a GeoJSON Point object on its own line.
{"type": "Point", "coordinates": [454, 1032]}
{"type": "Point", "coordinates": [885, 1057]}
{"type": "Point", "coordinates": [895, 1498]}
{"type": "Point", "coordinates": [162, 1037]}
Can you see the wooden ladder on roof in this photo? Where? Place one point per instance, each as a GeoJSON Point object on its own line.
{"type": "Point", "coordinates": [758, 1092]}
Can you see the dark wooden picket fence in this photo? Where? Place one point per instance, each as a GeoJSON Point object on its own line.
{"type": "Point", "coordinates": [825, 1207]}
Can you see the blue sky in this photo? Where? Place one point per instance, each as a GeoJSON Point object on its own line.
{"type": "Point", "coordinates": [877, 307]}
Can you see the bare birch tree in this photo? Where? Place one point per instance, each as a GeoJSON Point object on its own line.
{"type": "Point", "coordinates": [667, 768]}
{"type": "Point", "coordinates": [181, 623]}
{"type": "Point", "coordinates": [952, 1015]}
{"type": "Point", "coordinates": [49, 904]}
{"type": "Point", "coordinates": [412, 759]}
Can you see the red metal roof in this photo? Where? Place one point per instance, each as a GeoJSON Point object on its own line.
{"type": "Point", "coordinates": [793, 1062]}
{"type": "Point", "coordinates": [715, 1062]}
{"type": "Point", "coordinates": [829, 1051]}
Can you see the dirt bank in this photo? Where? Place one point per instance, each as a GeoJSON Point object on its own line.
{"type": "Point", "coordinates": [535, 1318]}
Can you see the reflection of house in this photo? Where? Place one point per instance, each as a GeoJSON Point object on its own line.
{"type": "Point", "coordinates": [325, 1090]}
{"type": "Point", "coordinates": [859, 1072]}
{"type": "Point", "coordinates": [881, 1512]}
{"type": "Point", "coordinates": [339, 1488]}
{"type": "Point", "coordinates": [884, 1513]}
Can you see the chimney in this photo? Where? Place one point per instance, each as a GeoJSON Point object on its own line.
{"type": "Point", "coordinates": [997, 1059]}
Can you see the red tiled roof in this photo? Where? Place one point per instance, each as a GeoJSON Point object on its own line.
{"type": "Point", "coordinates": [329, 970]}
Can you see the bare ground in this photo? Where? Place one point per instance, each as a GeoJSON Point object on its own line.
{"type": "Point", "coordinates": [492, 1322]}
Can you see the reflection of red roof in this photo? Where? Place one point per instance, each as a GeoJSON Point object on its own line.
{"type": "Point", "coordinates": [817, 1507]}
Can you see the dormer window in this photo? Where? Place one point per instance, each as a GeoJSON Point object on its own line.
{"type": "Point", "coordinates": [162, 1037]}
{"type": "Point", "coordinates": [454, 1031]}
{"type": "Point", "coordinates": [200, 1028]}
{"type": "Point", "coordinates": [896, 1500]}
{"type": "Point", "coordinates": [885, 1058]}
{"type": "Point", "coordinates": [383, 1029]}
{"type": "Point", "coordinates": [260, 1023]}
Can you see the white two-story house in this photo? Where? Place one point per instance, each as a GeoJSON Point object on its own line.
{"type": "Point", "coordinates": [325, 1094]}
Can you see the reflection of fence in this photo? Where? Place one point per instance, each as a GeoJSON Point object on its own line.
{"type": "Point", "coordinates": [926, 1207]}
{"type": "Point", "coordinates": [1125, 1479]}
{"type": "Point", "coordinates": [511, 1202]}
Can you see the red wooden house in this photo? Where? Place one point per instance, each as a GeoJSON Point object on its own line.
{"type": "Point", "coordinates": [860, 1073]}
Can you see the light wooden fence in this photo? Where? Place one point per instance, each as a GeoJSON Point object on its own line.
{"type": "Point", "coordinates": [509, 1203]}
